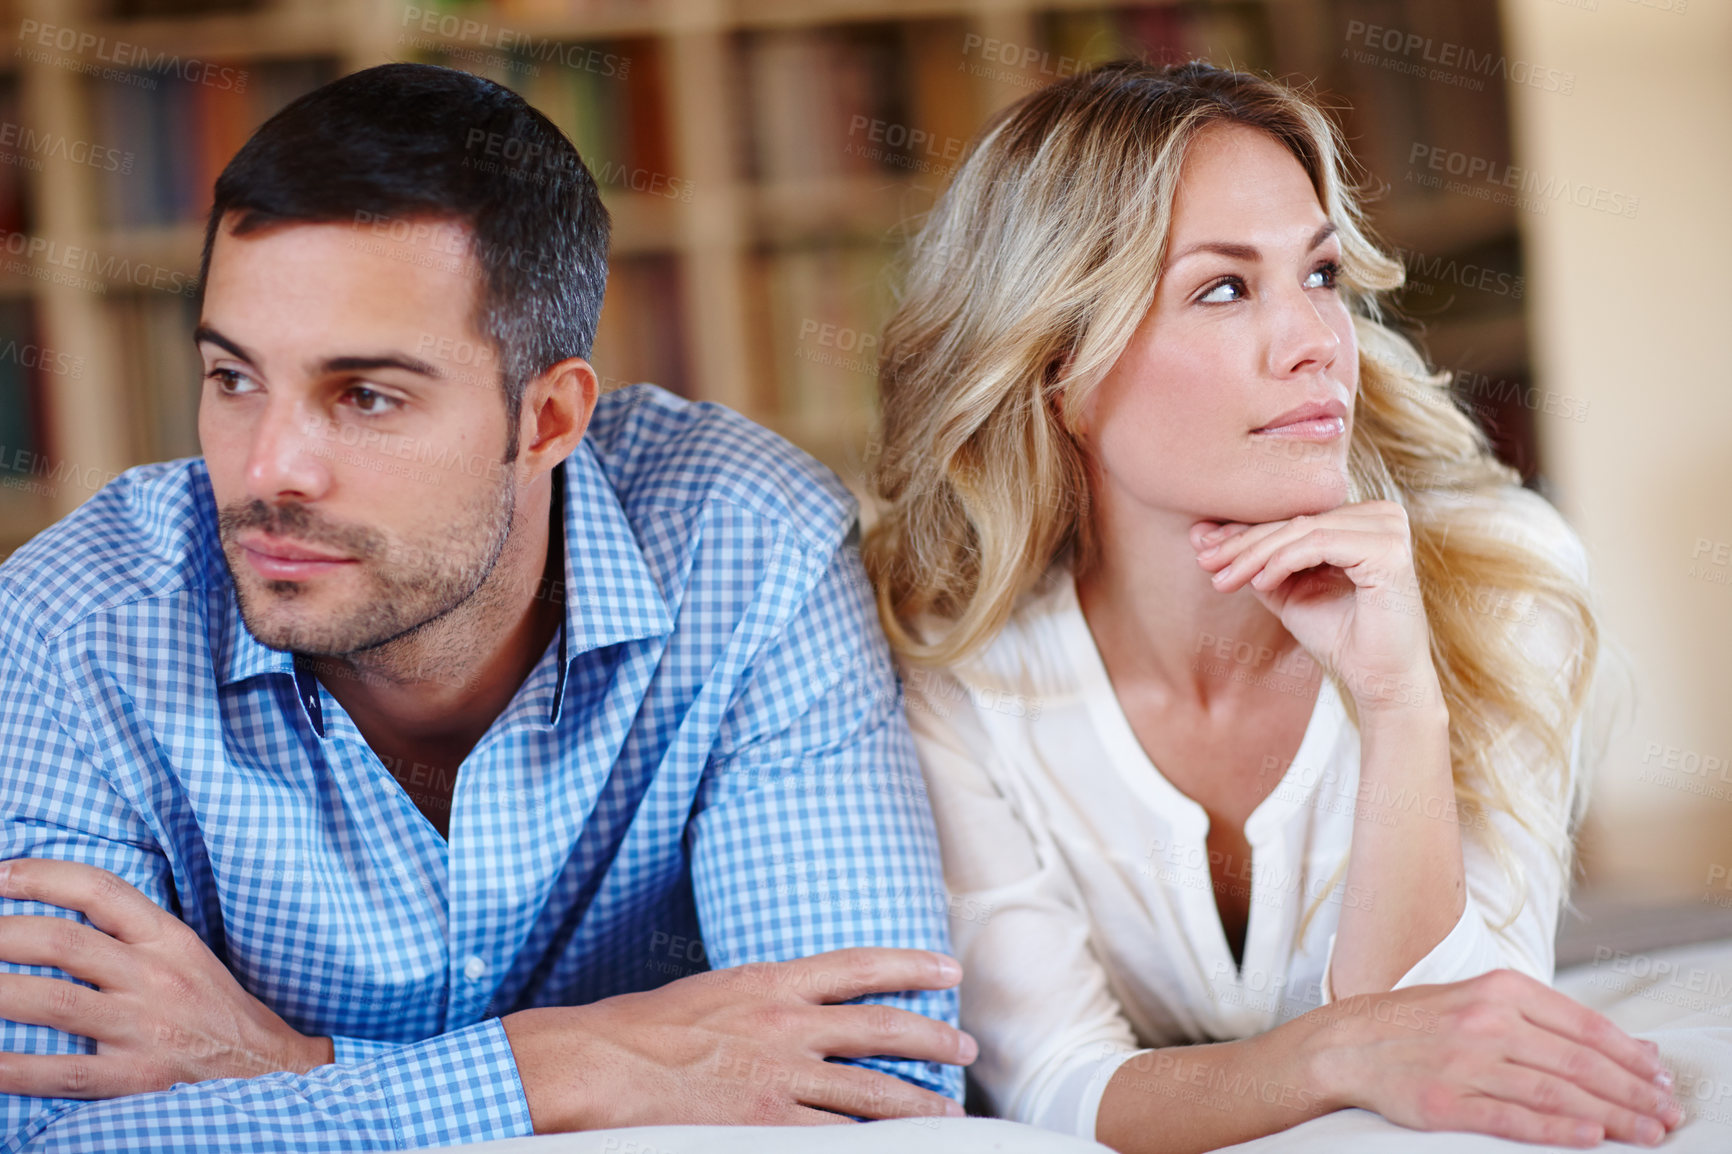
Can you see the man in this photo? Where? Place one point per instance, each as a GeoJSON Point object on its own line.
{"type": "Point", "coordinates": [449, 753]}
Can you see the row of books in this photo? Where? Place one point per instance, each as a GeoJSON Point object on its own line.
{"type": "Point", "coordinates": [609, 97]}
{"type": "Point", "coordinates": [160, 140]}
{"type": "Point", "coordinates": [643, 334]}
{"type": "Point", "coordinates": [160, 9]}
{"type": "Point", "coordinates": [16, 157]}
{"type": "Point", "coordinates": [818, 314]}
{"type": "Point", "coordinates": [856, 99]}
{"type": "Point", "coordinates": [895, 98]}
{"type": "Point", "coordinates": [21, 382]}
{"type": "Point", "coordinates": [1412, 76]}
{"type": "Point", "coordinates": [153, 332]}
{"type": "Point", "coordinates": [164, 372]}
{"type": "Point", "coordinates": [816, 96]}
{"type": "Point", "coordinates": [542, 11]}
{"type": "Point", "coordinates": [890, 99]}
{"type": "Point", "coordinates": [830, 100]}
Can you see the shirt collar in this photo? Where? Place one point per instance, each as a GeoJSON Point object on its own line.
{"type": "Point", "coordinates": [610, 594]}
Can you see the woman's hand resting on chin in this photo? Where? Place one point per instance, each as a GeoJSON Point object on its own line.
{"type": "Point", "coordinates": [1343, 584]}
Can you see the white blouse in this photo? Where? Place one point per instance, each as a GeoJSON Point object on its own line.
{"type": "Point", "coordinates": [1083, 909]}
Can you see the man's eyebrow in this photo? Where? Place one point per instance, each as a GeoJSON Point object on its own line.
{"type": "Point", "coordinates": [205, 333]}
{"type": "Point", "coordinates": [385, 361]}
{"type": "Point", "coordinates": [1248, 252]}
{"type": "Point", "coordinates": [349, 364]}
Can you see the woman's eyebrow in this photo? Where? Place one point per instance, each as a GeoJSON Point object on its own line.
{"type": "Point", "coordinates": [1247, 252]}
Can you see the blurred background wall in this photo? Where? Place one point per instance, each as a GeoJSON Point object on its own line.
{"type": "Point", "coordinates": [1554, 174]}
{"type": "Point", "coordinates": [1622, 319]}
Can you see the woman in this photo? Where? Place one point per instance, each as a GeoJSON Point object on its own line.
{"type": "Point", "coordinates": [1246, 682]}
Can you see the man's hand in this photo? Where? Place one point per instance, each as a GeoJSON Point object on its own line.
{"type": "Point", "coordinates": [744, 1045]}
{"type": "Point", "coordinates": [164, 1009]}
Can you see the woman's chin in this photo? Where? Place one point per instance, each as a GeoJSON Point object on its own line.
{"type": "Point", "coordinates": [1291, 499]}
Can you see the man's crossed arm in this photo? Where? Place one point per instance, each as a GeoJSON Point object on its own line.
{"type": "Point", "coordinates": [740, 1045]}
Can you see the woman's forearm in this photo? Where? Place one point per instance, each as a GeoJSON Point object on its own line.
{"type": "Point", "coordinates": [1405, 865]}
{"type": "Point", "coordinates": [1455, 1056]}
{"type": "Point", "coordinates": [1193, 1098]}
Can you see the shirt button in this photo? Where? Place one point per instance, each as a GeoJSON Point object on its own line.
{"type": "Point", "coordinates": [474, 968]}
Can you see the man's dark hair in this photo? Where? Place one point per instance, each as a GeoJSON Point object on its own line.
{"type": "Point", "coordinates": [405, 142]}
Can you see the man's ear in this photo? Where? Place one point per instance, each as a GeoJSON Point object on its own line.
{"type": "Point", "coordinates": [557, 406]}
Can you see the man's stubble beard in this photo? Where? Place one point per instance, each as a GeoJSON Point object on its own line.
{"type": "Point", "coordinates": [410, 585]}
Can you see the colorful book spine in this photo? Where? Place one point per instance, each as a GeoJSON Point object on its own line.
{"type": "Point", "coordinates": [173, 136]}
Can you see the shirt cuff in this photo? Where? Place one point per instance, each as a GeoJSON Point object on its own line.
{"type": "Point", "coordinates": [1089, 1108]}
{"type": "Point", "coordinates": [459, 1087]}
{"type": "Point", "coordinates": [1467, 951]}
{"type": "Point", "coordinates": [348, 1051]}
{"type": "Point", "coordinates": [1071, 1101]}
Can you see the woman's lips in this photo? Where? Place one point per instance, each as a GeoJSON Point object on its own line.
{"type": "Point", "coordinates": [1314, 429]}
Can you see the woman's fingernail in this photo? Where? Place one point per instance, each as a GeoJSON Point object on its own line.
{"type": "Point", "coordinates": [1210, 551]}
{"type": "Point", "coordinates": [1663, 1078]}
{"type": "Point", "coordinates": [1649, 1132]}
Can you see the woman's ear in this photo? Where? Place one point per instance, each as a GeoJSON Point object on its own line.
{"type": "Point", "coordinates": [1055, 400]}
{"type": "Point", "coordinates": [1078, 427]}
{"type": "Point", "coordinates": [1056, 396]}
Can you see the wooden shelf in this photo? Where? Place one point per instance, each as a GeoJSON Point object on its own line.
{"type": "Point", "coordinates": [620, 21]}
{"type": "Point", "coordinates": [864, 209]}
{"type": "Point", "coordinates": [311, 28]}
{"type": "Point", "coordinates": [643, 222]}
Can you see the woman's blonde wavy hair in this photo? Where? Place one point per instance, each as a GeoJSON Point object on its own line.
{"type": "Point", "coordinates": [1026, 282]}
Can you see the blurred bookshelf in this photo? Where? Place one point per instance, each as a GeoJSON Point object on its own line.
{"type": "Point", "coordinates": [765, 162]}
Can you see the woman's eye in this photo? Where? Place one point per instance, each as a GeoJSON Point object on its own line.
{"type": "Point", "coordinates": [1323, 276]}
{"type": "Point", "coordinates": [1216, 294]}
{"type": "Point", "coordinates": [372, 402]}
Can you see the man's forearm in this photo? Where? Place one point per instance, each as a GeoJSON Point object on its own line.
{"type": "Point", "coordinates": [458, 1087]}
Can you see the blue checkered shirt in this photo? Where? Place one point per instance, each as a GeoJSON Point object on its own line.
{"type": "Point", "coordinates": [708, 766]}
